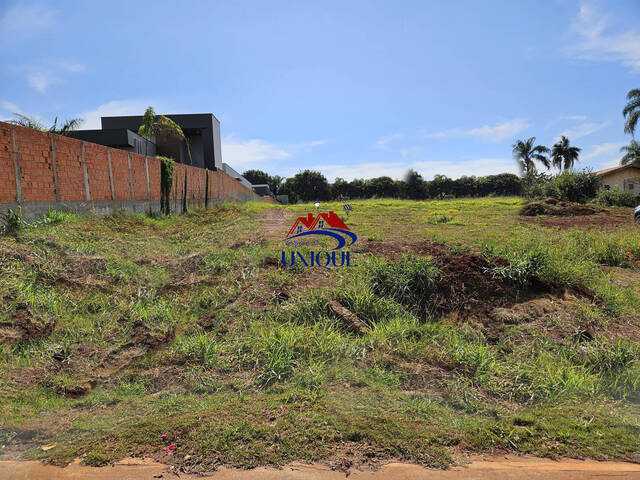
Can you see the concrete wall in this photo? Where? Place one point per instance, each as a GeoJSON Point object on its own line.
{"type": "Point", "coordinates": [39, 170]}
{"type": "Point", "coordinates": [627, 179]}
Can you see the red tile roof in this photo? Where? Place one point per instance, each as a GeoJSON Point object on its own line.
{"type": "Point", "coordinates": [615, 169]}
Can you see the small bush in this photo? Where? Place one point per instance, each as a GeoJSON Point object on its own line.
{"type": "Point", "coordinates": [411, 282]}
{"type": "Point", "coordinates": [13, 221]}
{"type": "Point", "coordinates": [437, 219]}
{"type": "Point", "coordinates": [579, 187]}
{"type": "Point", "coordinates": [617, 198]}
{"type": "Point", "coordinates": [53, 217]}
{"type": "Point", "coordinates": [523, 269]}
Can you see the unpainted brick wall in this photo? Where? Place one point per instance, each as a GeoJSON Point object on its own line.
{"type": "Point", "coordinates": [59, 172]}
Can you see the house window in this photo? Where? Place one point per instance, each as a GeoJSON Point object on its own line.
{"type": "Point", "coordinates": [299, 229]}
{"type": "Point", "coordinates": [631, 186]}
{"type": "Point", "coordinates": [321, 223]}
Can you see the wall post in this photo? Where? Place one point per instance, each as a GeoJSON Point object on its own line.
{"type": "Point", "coordinates": [16, 168]}
{"type": "Point", "coordinates": [54, 164]}
{"type": "Point", "coordinates": [86, 176]}
{"type": "Point", "coordinates": [113, 190]}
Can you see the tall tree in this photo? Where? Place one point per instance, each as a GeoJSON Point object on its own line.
{"type": "Point", "coordinates": [527, 153]}
{"type": "Point", "coordinates": [631, 154]}
{"type": "Point", "coordinates": [415, 185]}
{"type": "Point", "coordinates": [34, 123]}
{"type": "Point", "coordinates": [257, 177]}
{"type": "Point", "coordinates": [631, 111]}
{"type": "Point", "coordinates": [309, 185]}
{"type": "Point", "coordinates": [563, 155]}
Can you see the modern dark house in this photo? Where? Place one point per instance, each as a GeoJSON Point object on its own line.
{"type": "Point", "coordinates": [121, 138]}
{"type": "Point", "coordinates": [201, 129]}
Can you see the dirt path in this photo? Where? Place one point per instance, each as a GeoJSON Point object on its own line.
{"type": "Point", "coordinates": [496, 468]}
{"type": "Point", "coordinates": [276, 222]}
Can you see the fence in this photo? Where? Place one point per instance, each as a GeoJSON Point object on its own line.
{"type": "Point", "coordinates": [40, 170]}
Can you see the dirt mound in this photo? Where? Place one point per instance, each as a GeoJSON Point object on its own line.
{"type": "Point", "coordinates": [466, 288]}
{"type": "Point", "coordinates": [81, 270]}
{"type": "Point", "coordinates": [186, 271]}
{"type": "Point", "coordinates": [611, 220]}
{"type": "Point", "coordinates": [466, 285]}
{"type": "Point", "coordinates": [553, 206]}
{"type": "Point", "coordinates": [24, 325]}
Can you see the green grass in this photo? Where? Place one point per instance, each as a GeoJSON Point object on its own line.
{"type": "Point", "coordinates": [177, 325]}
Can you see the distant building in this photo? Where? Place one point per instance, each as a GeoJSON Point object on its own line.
{"type": "Point", "coordinates": [263, 189]}
{"type": "Point", "coordinates": [625, 177]}
{"type": "Point", "coordinates": [121, 138]}
{"type": "Point", "coordinates": [232, 173]}
{"type": "Point", "coordinates": [201, 129]}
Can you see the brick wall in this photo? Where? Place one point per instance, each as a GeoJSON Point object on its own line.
{"type": "Point", "coordinates": [39, 170]}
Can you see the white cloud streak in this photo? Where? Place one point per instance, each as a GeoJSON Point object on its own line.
{"type": "Point", "coordinates": [501, 131]}
{"type": "Point", "coordinates": [428, 169]}
{"type": "Point", "coordinates": [22, 21]}
{"type": "Point", "coordinates": [582, 130]}
{"type": "Point", "coordinates": [41, 77]}
{"type": "Point", "coordinates": [261, 154]}
{"type": "Point", "coordinates": [383, 142]}
{"type": "Point", "coordinates": [596, 40]}
{"type": "Point", "coordinates": [604, 150]}
{"type": "Point", "coordinates": [91, 119]}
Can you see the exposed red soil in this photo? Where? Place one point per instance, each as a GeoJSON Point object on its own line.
{"type": "Point", "coordinates": [601, 221]}
{"type": "Point", "coordinates": [466, 285]}
{"type": "Point", "coordinates": [24, 324]}
{"type": "Point", "coordinates": [553, 206]}
{"type": "Point", "coordinates": [468, 291]}
{"type": "Point", "coordinates": [552, 212]}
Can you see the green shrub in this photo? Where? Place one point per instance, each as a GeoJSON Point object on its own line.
{"type": "Point", "coordinates": [523, 269]}
{"type": "Point", "coordinates": [617, 198]}
{"type": "Point", "coordinates": [579, 187]}
{"type": "Point", "coordinates": [53, 217]}
{"type": "Point", "coordinates": [411, 282]}
{"type": "Point", "coordinates": [13, 221]}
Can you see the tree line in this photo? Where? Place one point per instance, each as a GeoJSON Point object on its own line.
{"type": "Point", "coordinates": [310, 185]}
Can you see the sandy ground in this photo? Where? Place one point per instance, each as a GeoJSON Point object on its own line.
{"type": "Point", "coordinates": [494, 468]}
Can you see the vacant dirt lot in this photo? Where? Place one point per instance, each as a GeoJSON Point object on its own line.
{"type": "Point", "coordinates": [466, 328]}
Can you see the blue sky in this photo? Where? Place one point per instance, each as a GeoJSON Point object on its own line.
{"type": "Point", "coordinates": [354, 89]}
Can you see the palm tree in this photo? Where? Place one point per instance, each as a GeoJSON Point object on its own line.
{"type": "Point", "coordinates": [563, 154]}
{"type": "Point", "coordinates": [34, 123]}
{"type": "Point", "coordinates": [631, 111]}
{"type": "Point", "coordinates": [631, 154]}
{"type": "Point", "coordinates": [28, 122]}
{"type": "Point", "coordinates": [526, 153]}
{"type": "Point", "coordinates": [67, 126]}
{"type": "Point", "coordinates": [152, 124]}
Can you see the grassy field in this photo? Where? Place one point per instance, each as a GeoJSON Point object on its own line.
{"type": "Point", "coordinates": [485, 332]}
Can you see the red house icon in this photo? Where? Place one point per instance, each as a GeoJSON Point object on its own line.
{"type": "Point", "coordinates": [311, 222]}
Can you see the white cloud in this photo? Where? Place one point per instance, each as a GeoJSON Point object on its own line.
{"type": "Point", "coordinates": [40, 81]}
{"type": "Point", "coordinates": [256, 153]}
{"type": "Point", "coordinates": [597, 40]}
{"type": "Point", "coordinates": [8, 109]}
{"type": "Point", "coordinates": [582, 130]}
{"type": "Point", "coordinates": [91, 119]}
{"type": "Point", "coordinates": [383, 142]}
{"type": "Point", "coordinates": [498, 132]}
{"type": "Point", "coordinates": [604, 150]}
{"type": "Point", "coordinates": [428, 169]}
{"type": "Point", "coordinates": [21, 21]}
{"type": "Point", "coordinates": [42, 76]}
